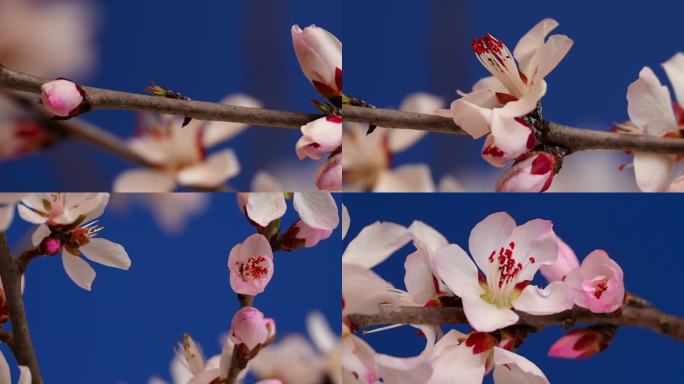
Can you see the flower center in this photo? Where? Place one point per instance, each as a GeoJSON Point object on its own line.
{"type": "Point", "coordinates": [600, 287]}
{"type": "Point", "coordinates": [252, 269]}
{"type": "Point", "coordinates": [498, 60]}
{"type": "Point", "coordinates": [505, 286]}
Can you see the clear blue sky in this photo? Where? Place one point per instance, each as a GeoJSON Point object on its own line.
{"type": "Point", "coordinates": [205, 51]}
{"type": "Point", "coordinates": [641, 232]}
{"type": "Point", "coordinates": [393, 48]}
{"type": "Point", "coordinates": [125, 329]}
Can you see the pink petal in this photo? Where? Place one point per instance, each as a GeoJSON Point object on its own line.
{"type": "Point", "coordinates": [556, 297]}
{"type": "Point", "coordinates": [317, 209]}
{"type": "Point", "coordinates": [489, 235]}
{"type": "Point", "coordinates": [264, 207]}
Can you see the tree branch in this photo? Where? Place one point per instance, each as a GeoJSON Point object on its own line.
{"type": "Point", "coordinates": [631, 315]}
{"type": "Point", "coordinates": [22, 346]}
{"type": "Point", "coordinates": [574, 139]}
{"type": "Point", "coordinates": [107, 99]}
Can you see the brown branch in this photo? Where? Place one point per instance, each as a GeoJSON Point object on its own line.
{"type": "Point", "coordinates": [107, 99]}
{"type": "Point", "coordinates": [574, 139]}
{"type": "Point", "coordinates": [21, 342]}
{"type": "Point", "coordinates": [631, 315]}
{"type": "Point", "coordinates": [26, 257]}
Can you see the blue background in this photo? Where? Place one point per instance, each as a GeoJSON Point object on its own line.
{"type": "Point", "coordinates": [641, 232]}
{"type": "Point", "coordinates": [126, 328]}
{"type": "Point", "coordinates": [204, 51]}
{"type": "Point", "coordinates": [394, 48]}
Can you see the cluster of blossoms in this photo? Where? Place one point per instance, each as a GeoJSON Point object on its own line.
{"type": "Point", "coordinates": [67, 224]}
{"type": "Point", "coordinates": [320, 56]}
{"type": "Point", "coordinates": [492, 285]}
{"type": "Point", "coordinates": [251, 267]}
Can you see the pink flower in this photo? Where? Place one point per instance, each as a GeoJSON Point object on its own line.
{"type": "Point", "coordinates": [517, 85]}
{"type": "Point", "coordinates": [598, 283]}
{"type": "Point", "coordinates": [251, 265]}
{"type": "Point", "coordinates": [320, 136]}
{"type": "Point", "coordinates": [249, 327]}
{"type": "Point", "coordinates": [310, 235]}
{"type": "Point", "coordinates": [582, 343]}
{"type": "Point", "coordinates": [62, 97]}
{"type": "Point", "coordinates": [508, 256]}
{"type": "Point", "coordinates": [329, 176]}
{"type": "Point", "coordinates": [566, 262]}
{"type": "Point", "coordinates": [320, 57]}
{"type": "Point", "coordinates": [533, 173]}
{"type": "Point", "coordinates": [51, 246]}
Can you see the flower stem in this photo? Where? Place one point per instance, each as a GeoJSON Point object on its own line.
{"type": "Point", "coordinates": [22, 346]}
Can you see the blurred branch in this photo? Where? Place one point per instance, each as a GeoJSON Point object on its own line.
{"type": "Point", "coordinates": [22, 346]}
{"type": "Point", "coordinates": [574, 139]}
{"type": "Point", "coordinates": [633, 314]}
{"type": "Point", "coordinates": [107, 99]}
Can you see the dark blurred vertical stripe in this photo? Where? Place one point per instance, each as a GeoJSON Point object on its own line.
{"type": "Point", "coordinates": [265, 67]}
{"type": "Point", "coordinates": [449, 62]}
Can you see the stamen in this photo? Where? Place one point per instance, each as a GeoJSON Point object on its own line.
{"type": "Point", "coordinates": [496, 57]}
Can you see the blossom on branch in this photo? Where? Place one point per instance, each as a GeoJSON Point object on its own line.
{"type": "Point", "coordinates": [251, 329]}
{"type": "Point", "coordinates": [598, 284]}
{"type": "Point", "coordinates": [320, 56]}
{"type": "Point", "coordinates": [251, 265]}
{"type": "Point", "coordinates": [498, 103]}
{"type": "Point", "coordinates": [532, 172]}
{"type": "Point", "coordinates": [63, 98]}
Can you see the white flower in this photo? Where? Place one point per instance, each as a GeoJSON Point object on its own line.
{"type": "Point", "coordinates": [179, 153]}
{"type": "Point", "coordinates": [62, 208]}
{"type": "Point", "coordinates": [24, 372]}
{"type": "Point", "coordinates": [74, 239]}
{"type": "Point", "coordinates": [317, 209]}
{"type": "Point", "coordinates": [366, 158]}
{"type": "Point", "coordinates": [497, 102]}
{"type": "Point", "coordinates": [508, 256]}
{"type": "Point", "coordinates": [651, 113]}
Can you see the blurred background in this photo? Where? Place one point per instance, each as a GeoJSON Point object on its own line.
{"type": "Point", "coordinates": [206, 52]}
{"type": "Point", "coordinates": [393, 49]}
{"type": "Point", "coordinates": [125, 329]}
{"type": "Point", "coordinates": [643, 239]}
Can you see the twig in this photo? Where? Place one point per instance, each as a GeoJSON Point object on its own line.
{"type": "Point", "coordinates": [107, 99]}
{"type": "Point", "coordinates": [22, 344]}
{"type": "Point", "coordinates": [26, 257]}
{"type": "Point", "coordinates": [633, 316]}
{"type": "Point", "coordinates": [574, 139]}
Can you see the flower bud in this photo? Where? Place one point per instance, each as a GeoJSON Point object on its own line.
{"type": "Point", "coordinates": [566, 262]}
{"type": "Point", "coordinates": [329, 176]}
{"type": "Point", "coordinates": [598, 284]}
{"type": "Point", "coordinates": [320, 56]}
{"type": "Point", "coordinates": [50, 246]}
{"type": "Point", "coordinates": [249, 327]}
{"type": "Point", "coordinates": [62, 97]}
{"type": "Point", "coordinates": [251, 265]}
{"type": "Point", "coordinates": [583, 343]}
{"type": "Point", "coordinates": [320, 136]}
{"type": "Point", "coordinates": [533, 173]}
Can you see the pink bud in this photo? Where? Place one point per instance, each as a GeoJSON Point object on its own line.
{"type": "Point", "coordinates": [320, 136]}
{"type": "Point", "coordinates": [320, 57]}
{"type": "Point", "coordinates": [329, 176]}
{"type": "Point", "coordinates": [598, 283]}
{"type": "Point", "coordinates": [62, 97]}
{"type": "Point", "coordinates": [566, 262]}
{"type": "Point", "coordinates": [251, 265]}
{"type": "Point", "coordinates": [310, 235]}
{"type": "Point", "coordinates": [51, 246]}
{"type": "Point", "coordinates": [582, 343]}
{"type": "Point", "coordinates": [533, 173]}
{"type": "Point", "coordinates": [249, 327]}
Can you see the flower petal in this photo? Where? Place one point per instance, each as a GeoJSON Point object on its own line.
{"type": "Point", "coordinates": [264, 207]}
{"type": "Point", "coordinates": [6, 216]}
{"type": "Point", "coordinates": [427, 237]}
{"type": "Point", "coordinates": [649, 104]}
{"type": "Point", "coordinates": [363, 291]}
{"type": "Point", "coordinates": [487, 236]}
{"type": "Point", "coordinates": [4, 370]}
{"type": "Point", "coordinates": [375, 243]}
{"type": "Point", "coordinates": [24, 375]}
{"type": "Point", "coordinates": [107, 253]}
{"type": "Point", "coordinates": [41, 232]}
{"type": "Point", "coordinates": [346, 221]}
{"type": "Point", "coordinates": [78, 270]}
{"type": "Point", "coordinates": [674, 68]}
{"type": "Point", "coordinates": [406, 178]}
{"type": "Point", "coordinates": [145, 180]}
{"type": "Point", "coordinates": [211, 173]}
{"type": "Point", "coordinates": [317, 209]}
{"type": "Point", "coordinates": [551, 54]}
{"type": "Point", "coordinates": [472, 112]}
{"type": "Point", "coordinates": [511, 368]}
{"type": "Point", "coordinates": [528, 47]}
{"type": "Point", "coordinates": [457, 364]}
{"type": "Point", "coordinates": [418, 278]}
{"type": "Point", "coordinates": [457, 271]}
{"type": "Point", "coordinates": [30, 215]}
{"type": "Point", "coordinates": [653, 171]}
{"type": "Point", "coordinates": [486, 317]}
{"type": "Point", "coordinates": [555, 298]}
